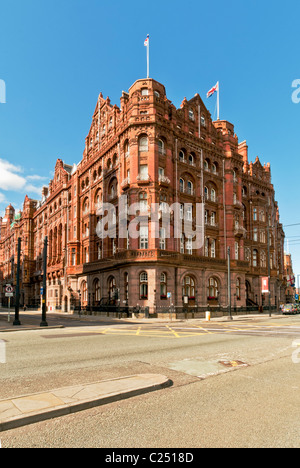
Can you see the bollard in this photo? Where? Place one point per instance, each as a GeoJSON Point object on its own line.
{"type": "Point", "coordinates": [207, 316]}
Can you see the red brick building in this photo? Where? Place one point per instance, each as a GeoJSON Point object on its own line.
{"type": "Point", "coordinates": [150, 152]}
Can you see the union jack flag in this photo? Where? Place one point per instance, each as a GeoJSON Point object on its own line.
{"type": "Point", "coordinates": [212, 91]}
{"type": "Point", "coordinates": [146, 41]}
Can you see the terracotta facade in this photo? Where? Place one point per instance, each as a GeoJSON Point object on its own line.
{"type": "Point", "coordinates": [150, 152]}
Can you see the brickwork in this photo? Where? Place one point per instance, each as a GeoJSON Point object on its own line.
{"type": "Point", "coordinates": [152, 152]}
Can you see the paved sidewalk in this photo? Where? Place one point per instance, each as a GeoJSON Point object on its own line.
{"type": "Point", "coordinates": [29, 409]}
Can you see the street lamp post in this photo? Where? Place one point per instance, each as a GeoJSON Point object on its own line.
{"type": "Point", "coordinates": [17, 304]}
{"type": "Point", "coordinates": [44, 295]}
{"type": "Point", "coordinates": [229, 285]}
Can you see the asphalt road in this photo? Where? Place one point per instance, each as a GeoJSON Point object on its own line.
{"type": "Point", "coordinates": [234, 384]}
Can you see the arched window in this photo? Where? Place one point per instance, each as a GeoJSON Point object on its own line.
{"type": "Point", "coordinates": [143, 286]}
{"type": "Point", "coordinates": [84, 292]}
{"type": "Point", "coordinates": [212, 289]}
{"type": "Point", "coordinates": [191, 159]}
{"type": "Point", "coordinates": [163, 286]}
{"type": "Point", "coordinates": [143, 143]}
{"type": "Point", "coordinates": [190, 187]}
{"type": "Point", "coordinates": [181, 156]}
{"type": "Point", "coordinates": [188, 287]}
{"type": "Point", "coordinates": [206, 193]}
{"type": "Point", "coordinates": [126, 149]}
{"type": "Point", "coordinates": [181, 185]}
{"type": "Point", "coordinates": [161, 147]}
{"type": "Point", "coordinates": [97, 291]}
{"type": "Point", "coordinates": [213, 195]}
{"type": "Point", "coordinates": [206, 165]}
{"type": "Point", "coordinates": [191, 114]}
{"type": "Point", "coordinates": [112, 288]}
{"type": "Point", "coordinates": [214, 168]}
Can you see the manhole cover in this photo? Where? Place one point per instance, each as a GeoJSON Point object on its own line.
{"type": "Point", "coordinates": [233, 363]}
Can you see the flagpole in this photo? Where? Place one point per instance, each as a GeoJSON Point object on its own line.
{"type": "Point", "coordinates": [218, 100]}
{"type": "Point", "coordinates": [148, 57]}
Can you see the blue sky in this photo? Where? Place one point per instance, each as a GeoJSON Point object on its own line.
{"type": "Point", "coordinates": [56, 56]}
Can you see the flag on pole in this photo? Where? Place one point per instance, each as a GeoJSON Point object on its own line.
{"type": "Point", "coordinates": [213, 90]}
{"type": "Point", "coordinates": [291, 280]}
{"type": "Point", "coordinates": [146, 44]}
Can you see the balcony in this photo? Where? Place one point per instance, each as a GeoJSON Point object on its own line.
{"type": "Point", "coordinates": [240, 231]}
{"type": "Point", "coordinates": [143, 179]}
{"type": "Point", "coordinates": [163, 180]}
{"type": "Point", "coordinates": [125, 184]}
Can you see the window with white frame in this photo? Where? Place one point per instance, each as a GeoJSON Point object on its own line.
{"type": "Point", "coordinates": [213, 248]}
{"type": "Point", "coordinates": [144, 236]}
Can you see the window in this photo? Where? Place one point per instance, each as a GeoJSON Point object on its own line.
{"type": "Point", "coordinates": [97, 290]}
{"type": "Point", "coordinates": [144, 232]}
{"type": "Point", "coordinates": [126, 149]}
{"type": "Point", "coordinates": [191, 160]}
{"type": "Point", "coordinates": [143, 144]}
{"type": "Point", "coordinates": [190, 188]}
{"type": "Point", "coordinates": [255, 256]}
{"type": "Point", "coordinates": [206, 194]}
{"type": "Point", "coordinates": [163, 286]}
{"type": "Point", "coordinates": [255, 235]}
{"type": "Point", "coordinates": [206, 247]}
{"type": "Point", "coordinates": [263, 259]}
{"type": "Point", "coordinates": [144, 286]}
{"type": "Point", "coordinates": [161, 147]}
{"type": "Point", "coordinates": [182, 243]}
{"type": "Point", "coordinates": [73, 257]}
{"type": "Point", "coordinates": [213, 248]}
{"type": "Point", "coordinates": [84, 292]}
{"type": "Point", "coordinates": [212, 289]}
{"type": "Point", "coordinates": [143, 202]}
{"type": "Point", "coordinates": [214, 168]}
{"type": "Point", "coordinates": [206, 165]}
{"type": "Point", "coordinates": [213, 218]}
{"type": "Point", "coordinates": [236, 250]}
{"type": "Point", "coordinates": [112, 288]}
{"type": "Point", "coordinates": [213, 195]}
{"type": "Point", "coordinates": [181, 185]}
{"type": "Point", "coordinates": [162, 239]}
{"type": "Point", "coordinates": [189, 212]}
{"type": "Point", "coordinates": [191, 114]}
{"type": "Point", "coordinates": [203, 120]}
{"type": "Point", "coordinates": [181, 156]}
{"type": "Point", "coordinates": [144, 91]}
{"type": "Point", "coordinates": [254, 214]}
{"type": "Point", "coordinates": [188, 287]}
{"type": "Point", "coordinates": [189, 245]}
{"type": "Point", "coordinates": [143, 172]}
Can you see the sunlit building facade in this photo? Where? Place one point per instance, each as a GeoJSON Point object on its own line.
{"type": "Point", "coordinates": [149, 152]}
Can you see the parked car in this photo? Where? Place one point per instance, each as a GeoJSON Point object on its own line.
{"type": "Point", "coordinates": [290, 309]}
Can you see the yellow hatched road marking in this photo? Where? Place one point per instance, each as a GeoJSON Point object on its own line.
{"type": "Point", "coordinates": [204, 329]}
{"type": "Point", "coordinates": [173, 331]}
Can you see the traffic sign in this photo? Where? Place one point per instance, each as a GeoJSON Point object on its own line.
{"type": "Point", "coordinates": [9, 289]}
